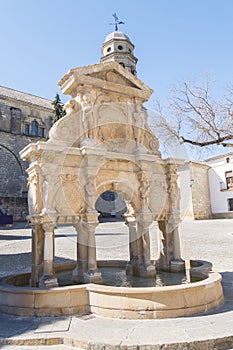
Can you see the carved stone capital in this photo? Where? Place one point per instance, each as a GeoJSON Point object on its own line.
{"type": "Point", "coordinates": [34, 219]}
{"type": "Point", "coordinates": [91, 217]}
{"type": "Point", "coordinates": [48, 227]}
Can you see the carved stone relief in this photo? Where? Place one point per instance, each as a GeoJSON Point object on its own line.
{"type": "Point", "coordinates": [33, 185]}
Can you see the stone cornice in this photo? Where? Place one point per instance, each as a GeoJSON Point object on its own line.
{"type": "Point", "coordinates": [82, 76]}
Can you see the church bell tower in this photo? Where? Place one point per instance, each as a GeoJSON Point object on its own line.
{"type": "Point", "coordinates": [117, 47]}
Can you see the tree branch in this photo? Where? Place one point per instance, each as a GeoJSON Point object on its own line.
{"type": "Point", "coordinates": [219, 141]}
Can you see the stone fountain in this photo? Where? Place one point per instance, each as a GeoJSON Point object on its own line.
{"type": "Point", "coordinates": [104, 144]}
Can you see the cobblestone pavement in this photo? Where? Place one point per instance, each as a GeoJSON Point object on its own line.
{"type": "Point", "coordinates": [205, 240]}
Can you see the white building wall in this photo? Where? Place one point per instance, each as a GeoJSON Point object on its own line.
{"type": "Point", "coordinates": [219, 195]}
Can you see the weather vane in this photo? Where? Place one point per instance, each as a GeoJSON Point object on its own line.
{"type": "Point", "coordinates": [117, 22]}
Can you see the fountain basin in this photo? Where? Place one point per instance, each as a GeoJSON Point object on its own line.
{"type": "Point", "coordinates": [116, 302]}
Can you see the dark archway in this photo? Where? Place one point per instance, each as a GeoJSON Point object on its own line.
{"type": "Point", "coordinates": [111, 207]}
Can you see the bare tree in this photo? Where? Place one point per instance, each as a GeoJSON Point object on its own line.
{"type": "Point", "coordinates": [196, 118]}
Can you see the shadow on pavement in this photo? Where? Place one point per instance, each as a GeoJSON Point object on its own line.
{"type": "Point", "coordinates": [16, 325]}
{"type": "Point", "coordinates": [17, 263]}
{"type": "Point", "coordinates": [13, 237]}
{"type": "Point", "coordinates": [16, 226]}
{"type": "Point", "coordinates": [227, 305]}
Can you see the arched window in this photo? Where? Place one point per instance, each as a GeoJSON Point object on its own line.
{"type": "Point", "coordinates": [122, 64]}
{"type": "Point", "coordinates": [34, 128]}
{"type": "Point", "coordinates": [15, 120]}
{"type": "Point", "coordinates": [26, 129]}
{"type": "Point", "coordinates": [41, 132]}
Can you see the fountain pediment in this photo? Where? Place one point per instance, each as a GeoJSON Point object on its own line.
{"type": "Point", "coordinates": [110, 76]}
{"type": "Point", "coordinates": [106, 107]}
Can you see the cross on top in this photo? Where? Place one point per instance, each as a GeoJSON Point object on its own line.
{"type": "Point", "coordinates": [117, 21]}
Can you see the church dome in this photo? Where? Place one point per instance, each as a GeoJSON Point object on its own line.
{"type": "Point", "coordinates": [116, 35]}
{"type": "Point", "coordinates": [117, 47]}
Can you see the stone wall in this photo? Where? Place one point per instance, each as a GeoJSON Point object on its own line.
{"type": "Point", "coordinates": [12, 169]}
{"type": "Point", "coordinates": [24, 118]}
{"type": "Point", "coordinates": [16, 206]}
{"type": "Point", "coordinates": [13, 183]}
{"type": "Point", "coordinates": [200, 191]}
{"type": "Point", "coordinates": [228, 215]}
{"type": "Point", "coordinates": [185, 189]}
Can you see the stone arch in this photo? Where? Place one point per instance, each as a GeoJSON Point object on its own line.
{"type": "Point", "coordinates": [10, 184]}
{"type": "Point", "coordinates": [16, 158]}
{"type": "Point", "coordinates": [122, 189]}
{"type": "Point", "coordinates": [122, 176]}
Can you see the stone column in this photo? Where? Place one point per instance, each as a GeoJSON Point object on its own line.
{"type": "Point", "coordinates": [37, 254]}
{"type": "Point", "coordinates": [146, 268]}
{"type": "Point", "coordinates": [48, 279]}
{"type": "Point", "coordinates": [166, 255]}
{"type": "Point", "coordinates": [86, 270]}
{"type": "Point", "coordinates": [132, 267]}
{"type": "Point", "coordinates": [177, 264]}
{"type": "Point", "coordinates": [92, 264]}
{"type": "Point", "coordinates": [139, 245]}
{"type": "Point", "coordinates": [82, 254]}
{"type": "Point", "coordinates": [170, 257]}
{"type": "Point", "coordinates": [177, 252]}
{"type": "Point", "coordinates": [91, 275]}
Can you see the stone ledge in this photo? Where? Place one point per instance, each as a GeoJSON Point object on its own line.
{"type": "Point", "coordinates": [116, 302]}
{"type": "Point", "coordinates": [221, 343]}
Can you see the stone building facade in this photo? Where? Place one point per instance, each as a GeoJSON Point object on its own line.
{"type": "Point", "coordinates": [24, 118]}
{"type": "Point", "coordinates": [200, 190]}
{"type": "Point", "coordinates": [194, 189]}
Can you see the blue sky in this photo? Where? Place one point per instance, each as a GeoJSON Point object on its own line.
{"type": "Point", "coordinates": [174, 40]}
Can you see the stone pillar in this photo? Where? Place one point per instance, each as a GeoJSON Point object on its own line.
{"type": "Point", "coordinates": [86, 270]}
{"type": "Point", "coordinates": [171, 260]}
{"type": "Point", "coordinates": [92, 275]}
{"type": "Point", "coordinates": [177, 252]}
{"type": "Point", "coordinates": [37, 254]}
{"type": "Point", "coordinates": [92, 264]}
{"type": "Point", "coordinates": [177, 264]}
{"type": "Point", "coordinates": [166, 255]}
{"type": "Point", "coordinates": [82, 254]}
{"type": "Point", "coordinates": [170, 257]}
{"type": "Point", "coordinates": [146, 268]}
{"type": "Point", "coordinates": [48, 279]}
{"type": "Point", "coordinates": [132, 267]}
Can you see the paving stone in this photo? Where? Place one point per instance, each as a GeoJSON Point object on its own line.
{"type": "Point", "coordinates": [53, 324]}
